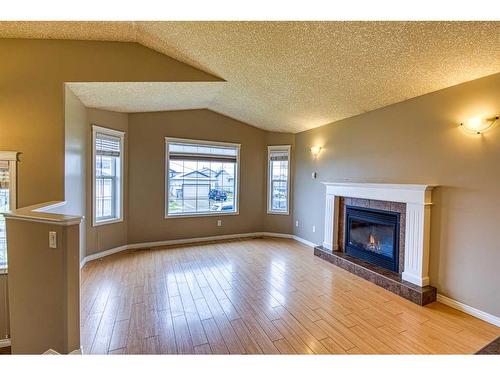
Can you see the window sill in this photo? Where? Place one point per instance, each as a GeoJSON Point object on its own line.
{"type": "Point", "coordinates": [104, 222]}
{"type": "Point", "coordinates": [278, 213]}
{"type": "Point", "coordinates": [4, 270]}
{"type": "Point", "coordinates": [182, 216]}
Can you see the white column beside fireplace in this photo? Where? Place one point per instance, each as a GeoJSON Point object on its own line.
{"type": "Point", "coordinates": [418, 216]}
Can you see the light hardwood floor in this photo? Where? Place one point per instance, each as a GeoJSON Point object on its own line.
{"type": "Point", "coordinates": [255, 296]}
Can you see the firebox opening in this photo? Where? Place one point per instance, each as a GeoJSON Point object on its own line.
{"type": "Point", "coordinates": [373, 235]}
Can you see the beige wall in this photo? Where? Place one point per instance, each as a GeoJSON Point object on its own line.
{"type": "Point", "coordinates": [147, 174]}
{"type": "Point", "coordinates": [144, 175]}
{"type": "Point", "coordinates": [418, 141]}
{"type": "Point", "coordinates": [32, 98]}
{"type": "Point", "coordinates": [108, 236]}
{"type": "Point", "coordinates": [78, 173]}
{"type": "Point", "coordinates": [43, 287]}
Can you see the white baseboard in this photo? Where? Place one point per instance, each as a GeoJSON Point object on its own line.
{"type": "Point", "coordinates": [102, 254]}
{"type": "Point", "coordinates": [192, 240]}
{"type": "Point", "coordinates": [4, 343]}
{"type": "Point", "coordinates": [142, 245]}
{"type": "Point", "coordinates": [274, 234]}
{"type": "Point", "coordinates": [304, 241]}
{"type": "Point", "coordinates": [469, 310]}
{"type": "Point", "coordinates": [291, 236]}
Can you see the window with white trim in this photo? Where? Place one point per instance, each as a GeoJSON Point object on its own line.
{"type": "Point", "coordinates": [278, 183]}
{"type": "Point", "coordinates": [8, 170]}
{"type": "Point", "coordinates": [201, 177]}
{"type": "Point", "coordinates": [107, 202]}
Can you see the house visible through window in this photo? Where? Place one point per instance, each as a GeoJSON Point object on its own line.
{"type": "Point", "coordinates": [202, 177]}
{"type": "Point", "coordinates": [108, 171]}
{"type": "Point", "coordinates": [278, 179]}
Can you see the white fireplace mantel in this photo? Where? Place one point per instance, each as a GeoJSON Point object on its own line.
{"type": "Point", "coordinates": [418, 201]}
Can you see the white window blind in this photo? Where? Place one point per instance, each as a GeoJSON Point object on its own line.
{"type": "Point", "coordinates": [278, 155]}
{"type": "Point", "coordinates": [202, 177]}
{"type": "Point", "coordinates": [278, 179]}
{"type": "Point", "coordinates": [107, 145]}
{"type": "Point", "coordinates": [108, 164]}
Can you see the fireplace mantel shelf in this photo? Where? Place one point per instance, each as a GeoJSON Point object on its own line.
{"type": "Point", "coordinates": [417, 198]}
{"type": "Point", "coordinates": [405, 193]}
{"type": "Point", "coordinates": [381, 185]}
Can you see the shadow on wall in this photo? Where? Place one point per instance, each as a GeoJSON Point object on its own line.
{"type": "Point", "coordinates": [441, 223]}
{"type": "Point", "coordinates": [438, 220]}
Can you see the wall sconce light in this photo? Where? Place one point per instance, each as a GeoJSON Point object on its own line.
{"type": "Point", "coordinates": [478, 125]}
{"type": "Point", "coordinates": [315, 150]}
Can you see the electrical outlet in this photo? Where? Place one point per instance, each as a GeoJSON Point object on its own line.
{"type": "Point", "coordinates": [219, 223]}
{"type": "Point", "coordinates": [52, 240]}
{"type": "Point", "coordinates": [314, 228]}
{"type": "Point", "coordinates": [296, 223]}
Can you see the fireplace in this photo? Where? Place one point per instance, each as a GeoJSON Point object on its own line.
{"type": "Point", "coordinates": [373, 235]}
{"type": "Point", "coordinates": [380, 232]}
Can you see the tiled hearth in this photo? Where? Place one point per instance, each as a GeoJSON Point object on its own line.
{"type": "Point", "coordinates": [412, 203]}
{"type": "Point", "coordinates": [379, 276]}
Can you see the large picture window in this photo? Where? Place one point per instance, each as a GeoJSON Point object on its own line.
{"type": "Point", "coordinates": [278, 184]}
{"type": "Point", "coordinates": [107, 175]}
{"type": "Point", "coordinates": [202, 177]}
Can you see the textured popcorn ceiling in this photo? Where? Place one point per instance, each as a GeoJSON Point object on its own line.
{"type": "Point", "coordinates": [146, 96]}
{"type": "Point", "coordinates": [292, 76]}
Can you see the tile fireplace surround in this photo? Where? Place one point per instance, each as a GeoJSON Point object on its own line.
{"type": "Point", "coordinates": [411, 200]}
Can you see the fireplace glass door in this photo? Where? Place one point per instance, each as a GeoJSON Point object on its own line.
{"type": "Point", "coordinates": [373, 235]}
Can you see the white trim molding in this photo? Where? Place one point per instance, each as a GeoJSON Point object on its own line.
{"type": "Point", "coordinates": [418, 214]}
{"type": "Point", "coordinates": [181, 241]}
{"type": "Point", "coordinates": [270, 149]}
{"type": "Point", "coordinates": [5, 343]}
{"type": "Point", "coordinates": [44, 213]}
{"type": "Point", "coordinates": [304, 241]}
{"type": "Point", "coordinates": [236, 193]}
{"type": "Point", "coordinates": [9, 155]}
{"type": "Point", "coordinates": [11, 158]}
{"type": "Point", "coordinates": [469, 310]}
{"type": "Point", "coordinates": [119, 179]}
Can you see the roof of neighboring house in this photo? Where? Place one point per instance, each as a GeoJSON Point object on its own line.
{"type": "Point", "coordinates": [203, 173]}
{"type": "Point", "coordinates": [207, 171]}
{"type": "Point", "coordinates": [197, 175]}
{"type": "Point", "coordinates": [222, 172]}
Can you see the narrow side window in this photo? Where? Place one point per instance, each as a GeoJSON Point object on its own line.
{"type": "Point", "coordinates": [278, 184]}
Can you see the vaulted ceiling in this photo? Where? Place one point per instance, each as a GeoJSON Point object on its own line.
{"type": "Point", "coordinates": [288, 76]}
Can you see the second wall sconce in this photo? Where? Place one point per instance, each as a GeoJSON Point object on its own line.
{"type": "Point", "coordinates": [478, 125]}
{"type": "Point", "coordinates": [315, 150]}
